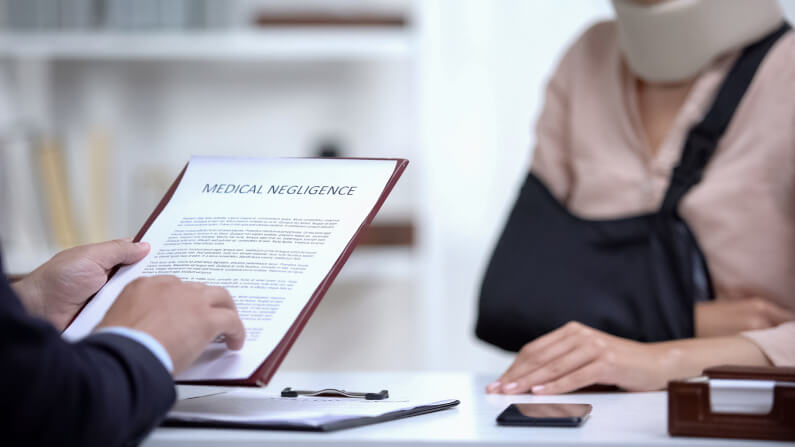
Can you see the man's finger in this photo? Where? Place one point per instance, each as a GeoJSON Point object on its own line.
{"type": "Point", "coordinates": [227, 323]}
{"type": "Point", "coordinates": [221, 298]}
{"type": "Point", "coordinates": [120, 251]}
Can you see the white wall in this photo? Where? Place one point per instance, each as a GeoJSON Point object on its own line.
{"type": "Point", "coordinates": [789, 9]}
{"type": "Point", "coordinates": [484, 66]}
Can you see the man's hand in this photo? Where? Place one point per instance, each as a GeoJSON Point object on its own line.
{"type": "Point", "coordinates": [730, 317]}
{"type": "Point", "coordinates": [183, 316]}
{"type": "Point", "coordinates": [58, 288]}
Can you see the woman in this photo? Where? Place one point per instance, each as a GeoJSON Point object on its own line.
{"type": "Point", "coordinates": [617, 111]}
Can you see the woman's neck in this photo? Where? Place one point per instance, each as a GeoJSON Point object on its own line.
{"type": "Point", "coordinates": [658, 105]}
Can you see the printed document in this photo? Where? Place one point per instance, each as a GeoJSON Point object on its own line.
{"type": "Point", "coordinates": [268, 230]}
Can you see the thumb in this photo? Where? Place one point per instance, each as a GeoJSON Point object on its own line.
{"type": "Point", "coordinates": [120, 251]}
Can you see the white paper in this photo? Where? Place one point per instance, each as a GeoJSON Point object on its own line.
{"type": "Point", "coordinates": [254, 406]}
{"type": "Point", "coordinates": [743, 396]}
{"type": "Point", "coordinates": [270, 238]}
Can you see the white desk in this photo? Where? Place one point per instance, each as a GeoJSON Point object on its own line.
{"type": "Point", "coordinates": [625, 419]}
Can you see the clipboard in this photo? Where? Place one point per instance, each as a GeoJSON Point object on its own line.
{"type": "Point", "coordinates": [262, 375]}
{"type": "Point", "coordinates": [763, 405]}
{"type": "Point", "coordinates": [251, 409]}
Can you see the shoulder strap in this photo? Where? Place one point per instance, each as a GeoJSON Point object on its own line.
{"type": "Point", "coordinates": [702, 139]}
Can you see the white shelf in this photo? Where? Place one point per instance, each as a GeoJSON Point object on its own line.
{"type": "Point", "coordinates": [298, 44]}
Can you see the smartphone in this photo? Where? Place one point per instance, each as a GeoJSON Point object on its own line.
{"type": "Point", "coordinates": [545, 415]}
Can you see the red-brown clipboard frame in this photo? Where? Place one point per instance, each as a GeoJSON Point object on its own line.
{"type": "Point", "coordinates": [262, 375]}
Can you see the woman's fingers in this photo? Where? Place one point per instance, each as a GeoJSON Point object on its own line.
{"type": "Point", "coordinates": [584, 352]}
{"type": "Point", "coordinates": [551, 357]}
{"type": "Point", "coordinates": [541, 344]}
{"type": "Point", "coordinates": [526, 364]}
{"type": "Point", "coordinates": [586, 375]}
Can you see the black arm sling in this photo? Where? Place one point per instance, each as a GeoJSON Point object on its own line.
{"type": "Point", "coordinates": [636, 277]}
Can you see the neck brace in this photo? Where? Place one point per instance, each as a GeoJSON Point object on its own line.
{"type": "Point", "coordinates": [672, 41]}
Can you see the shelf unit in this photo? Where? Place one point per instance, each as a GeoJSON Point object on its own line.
{"type": "Point", "coordinates": [31, 57]}
{"type": "Point", "coordinates": [293, 44]}
{"type": "Point", "coordinates": [108, 68]}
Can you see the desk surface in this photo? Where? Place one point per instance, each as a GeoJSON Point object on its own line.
{"type": "Point", "coordinates": [626, 419]}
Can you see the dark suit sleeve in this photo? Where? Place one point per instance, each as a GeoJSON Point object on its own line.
{"type": "Point", "coordinates": [106, 390]}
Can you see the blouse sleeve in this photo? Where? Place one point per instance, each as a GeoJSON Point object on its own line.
{"type": "Point", "coordinates": [778, 343]}
{"type": "Point", "coordinates": [551, 158]}
{"type": "Point", "coordinates": [552, 155]}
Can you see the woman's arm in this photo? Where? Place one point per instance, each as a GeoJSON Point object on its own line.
{"type": "Point", "coordinates": [720, 317]}
{"type": "Point", "coordinates": [576, 356]}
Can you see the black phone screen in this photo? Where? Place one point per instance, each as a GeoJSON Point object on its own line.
{"type": "Point", "coordinates": [550, 415]}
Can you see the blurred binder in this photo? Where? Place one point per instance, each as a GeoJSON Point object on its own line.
{"type": "Point", "coordinates": [734, 402]}
{"type": "Point", "coordinates": [98, 157]}
{"type": "Point", "coordinates": [53, 174]}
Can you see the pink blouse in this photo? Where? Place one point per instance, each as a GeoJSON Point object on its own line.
{"type": "Point", "coordinates": [592, 153]}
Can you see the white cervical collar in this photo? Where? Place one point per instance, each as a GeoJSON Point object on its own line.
{"type": "Point", "coordinates": [672, 41]}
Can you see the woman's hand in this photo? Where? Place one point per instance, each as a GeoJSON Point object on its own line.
{"type": "Point", "coordinates": [730, 317]}
{"type": "Point", "coordinates": [575, 356]}
{"type": "Point", "coordinates": [58, 288]}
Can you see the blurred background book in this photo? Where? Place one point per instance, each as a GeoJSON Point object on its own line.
{"type": "Point", "coordinates": [103, 101]}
